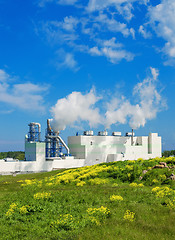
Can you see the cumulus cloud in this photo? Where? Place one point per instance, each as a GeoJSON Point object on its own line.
{"type": "Point", "coordinates": [26, 96]}
{"type": "Point", "coordinates": [163, 22]}
{"type": "Point", "coordinates": [74, 108]}
{"type": "Point", "coordinates": [149, 103]}
{"type": "Point", "coordinates": [77, 107]}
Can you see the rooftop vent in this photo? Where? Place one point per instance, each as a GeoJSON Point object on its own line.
{"type": "Point", "coordinates": [116, 134]}
{"type": "Point", "coordinates": [88, 133]}
{"type": "Point", "coordinates": [130, 134]}
{"type": "Point", "coordinates": [103, 133]}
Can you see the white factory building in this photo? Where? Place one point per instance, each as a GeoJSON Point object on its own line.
{"type": "Point", "coordinates": [82, 150]}
{"type": "Point", "coordinates": [104, 148]}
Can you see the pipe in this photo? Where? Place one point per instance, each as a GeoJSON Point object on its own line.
{"type": "Point", "coordinates": [37, 124]}
{"type": "Point", "coordinates": [64, 144]}
{"type": "Point", "coordinates": [49, 129]}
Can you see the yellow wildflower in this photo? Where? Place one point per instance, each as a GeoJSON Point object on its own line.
{"type": "Point", "coordinates": [80, 184]}
{"type": "Point", "coordinates": [116, 198]}
{"type": "Point", "coordinates": [133, 184]}
{"type": "Point", "coordinates": [129, 215]}
{"type": "Point", "coordinates": [97, 181]}
{"type": "Point", "coordinates": [23, 209]}
{"type": "Point", "coordinates": [43, 195]}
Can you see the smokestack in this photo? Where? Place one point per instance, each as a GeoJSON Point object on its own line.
{"type": "Point", "coordinates": [49, 128]}
{"type": "Point", "coordinates": [132, 137]}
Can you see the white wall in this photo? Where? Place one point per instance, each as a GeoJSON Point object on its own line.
{"type": "Point", "coordinates": [36, 161]}
{"type": "Point", "coordinates": [154, 145]}
{"type": "Point", "coordinates": [35, 150]}
{"type": "Point", "coordinates": [38, 166]}
{"type": "Point", "coordinates": [99, 149]}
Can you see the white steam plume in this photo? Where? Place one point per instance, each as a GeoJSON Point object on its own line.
{"type": "Point", "coordinates": [77, 107]}
{"type": "Point", "coordinates": [149, 100]}
{"type": "Point", "coordinates": [74, 108]}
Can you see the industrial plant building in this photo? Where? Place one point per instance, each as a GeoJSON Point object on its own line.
{"type": "Point", "coordinates": [82, 150]}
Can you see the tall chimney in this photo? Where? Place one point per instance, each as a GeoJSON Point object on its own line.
{"type": "Point", "coordinates": [132, 137]}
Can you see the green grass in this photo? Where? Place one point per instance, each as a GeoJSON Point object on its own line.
{"type": "Point", "coordinates": [65, 215]}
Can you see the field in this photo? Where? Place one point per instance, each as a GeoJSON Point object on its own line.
{"type": "Point", "coordinates": [122, 200]}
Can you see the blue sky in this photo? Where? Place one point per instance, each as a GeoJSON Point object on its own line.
{"type": "Point", "coordinates": [99, 64]}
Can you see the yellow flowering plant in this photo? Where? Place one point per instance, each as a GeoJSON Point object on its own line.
{"type": "Point", "coordinates": [116, 198]}
{"type": "Point", "coordinates": [129, 216]}
{"type": "Point", "coordinates": [80, 184]}
{"type": "Point", "coordinates": [100, 213]}
{"type": "Point", "coordinates": [64, 222]}
{"type": "Point", "coordinates": [42, 195]}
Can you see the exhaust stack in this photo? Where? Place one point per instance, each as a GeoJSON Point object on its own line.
{"type": "Point", "coordinates": [54, 142]}
{"type": "Point", "coordinates": [132, 137]}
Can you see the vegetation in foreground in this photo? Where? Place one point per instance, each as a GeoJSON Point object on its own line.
{"type": "Point", "coordinates": [119, 200]}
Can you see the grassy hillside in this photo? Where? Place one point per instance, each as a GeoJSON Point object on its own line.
{"type": "Point", "coordinates": [121, 200]}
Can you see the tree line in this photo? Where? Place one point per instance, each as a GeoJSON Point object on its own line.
{"type": "Point", "coordinates": [168, 153]}
{"type": "Point", "coordinates": [16, 155]}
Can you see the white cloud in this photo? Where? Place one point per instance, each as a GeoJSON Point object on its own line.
{"type": "Point", "coordinates": [111, 24]}
{"type": "Point", "coordinates": [94, 51]}
{"type": "Point", "coordinates": [149, 99]}
{"type": "Point", "coordinates": [67, 2]}
{"type": "Point", "coordinates": [144, 32]}
{"type": "Point", "coordinates": [28, 87]}
{"type": "Point", "coordinates": [112, 50]}
{"type": "Point", "coordinates": [70, 62]}
{"type": "Point", "coordinates": [42, 3]}
{"type": "Point", "coordinates": [74, 32]}
{"type": "Point", "coordinates": [66, 60]}
{"type": "Point", "coordinates": [105, 22]}
{"type": "Point", "coordinates": [75, 108]}
{"type": "Point", "coordinates": [162, 18]}
{"type": "Point", "coordinates": [111, 43]}
{"type": "Point", "coordinates": [64, 32]}
{"type": "Point", "coordinates": [115, 56]}
{"type": "Point", "coordinates": [154, 72]}
{"type": "Point", "coordinates": [123, 7]}
{"type": "Point", "coordinates": [4, 76]}
{"type": "Point", "coordinates": [132, 32]}
{"type": "Point", "coordinates": [26, 96]}
{"type": "Point", "coordinates": [70, 23]}
{"type": "Point", "coordinates": [58, 35]}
